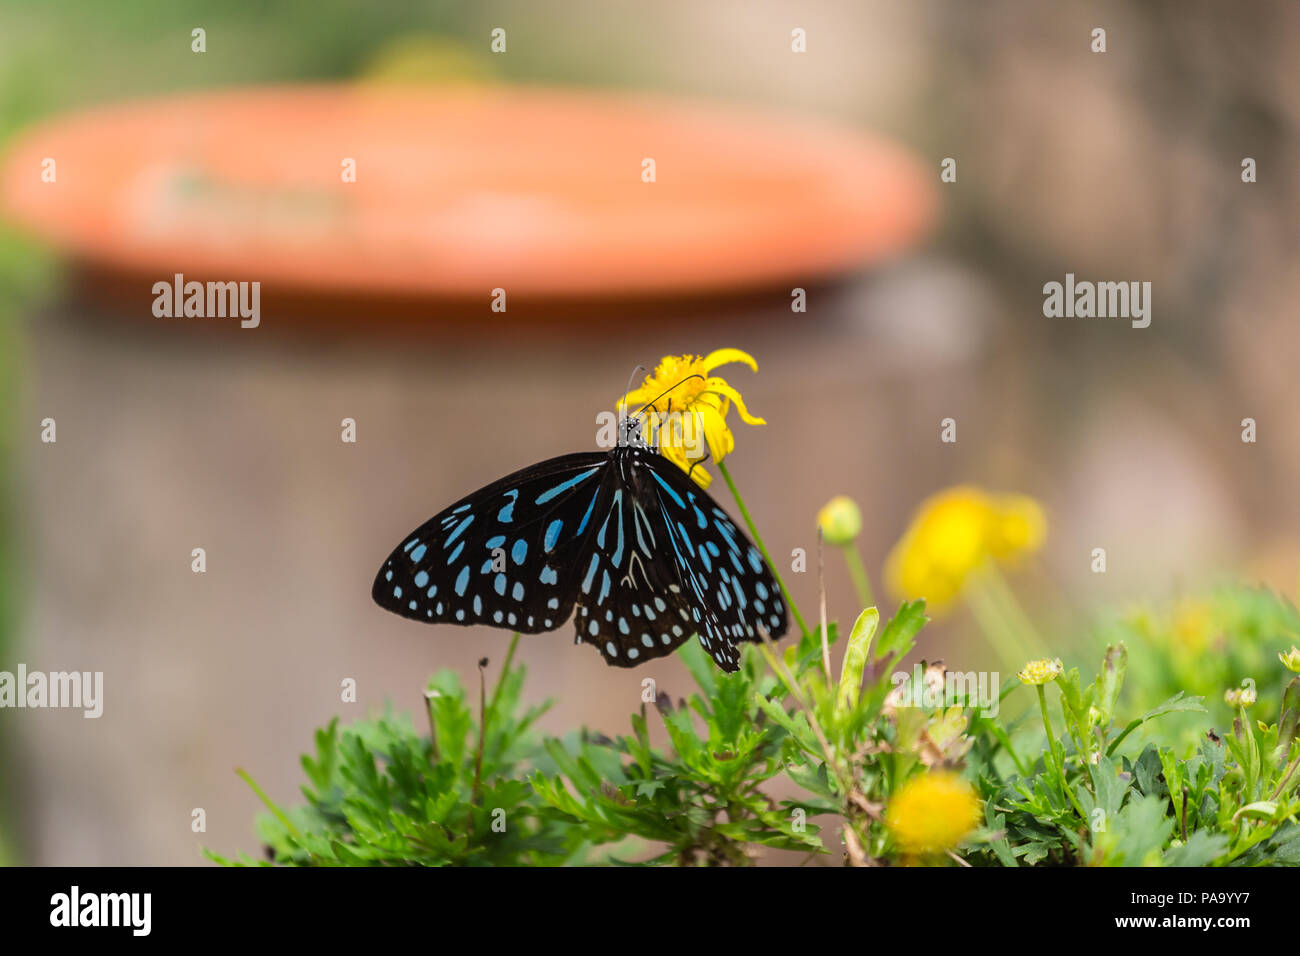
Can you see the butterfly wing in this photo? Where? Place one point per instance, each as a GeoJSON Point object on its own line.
{"type": "Point", "coordinates": [507, 554]}
{"type": "Point", "coordinates": [631, 602]}
{"type": "Point", "coordinates": [724, 575]}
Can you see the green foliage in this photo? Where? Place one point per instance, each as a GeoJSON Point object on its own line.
{"type": "Point", "coordinates": [1067, 781]}
{"type": "Point", "coordinates": [1204, 644]}
{"type": "Point", "coordinates": [380, 793]}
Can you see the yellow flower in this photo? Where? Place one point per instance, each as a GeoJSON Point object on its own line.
{"type": "Point", "coordinates": [953, 533]}
{"type": "Point", "coordinates": [1192, 624]}
{"type": "Point", "coordinates": [1291, 659]}
{"type": "Point", "coordinates": [932, 813]}
{"type": "Point", "coordinates": [840, 520]}
{"type": "Point", "coordinates": [1019, 527]}
{"type": "Point", "coordinates": [1040, 672]}
{"type": "Point", "coordinates": [688, 419]}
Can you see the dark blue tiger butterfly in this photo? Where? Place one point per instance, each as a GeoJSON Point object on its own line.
{"type": "Point", "coordinates": [646, 556]}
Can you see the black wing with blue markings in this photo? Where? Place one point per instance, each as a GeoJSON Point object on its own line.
{"type": "Point", "coordinates": [506, 555]}
{"type": "Point", "coordinates": [645, 555]}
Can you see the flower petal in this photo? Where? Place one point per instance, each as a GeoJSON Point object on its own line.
{"type": "Point", "coordinates": [722, 388]}
{"type": "Point", "coordinates": [726, 357]}
{"type": "Point", "coordinates": [677, 455]}
{"type": "Point", "coordinates": [716, 433]}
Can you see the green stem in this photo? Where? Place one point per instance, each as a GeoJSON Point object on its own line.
{"type": "Point", "coordinates": [1004, 741]}
{"type": "Point", "coordinates": [758, 540]}
{"type": "Point", "coordinates": [1013, 611]}
{"type": "Point", "coordinates": [1286, 778]}
{"type": "Point", "coordinates": [858, 572]}
{"type": "Point", "coordinates": [505, 672]}
{"type": "Point", "coordinates": [991, 619]}
{"type": "Point", "coordinates": [1058, 755]}
{"type": "Point", "coordinates": [270, 805]}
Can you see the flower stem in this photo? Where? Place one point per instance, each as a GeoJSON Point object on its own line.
{"type": "Point", "coordinates": [821, 602]}
{"type": "Point", "coordinates": [758, 540]}
{"type": "Point", "coordinates": [858, 572]}
{"type": "Point", "coordinates": [1058, 755]}
{"type": "Point", "coordinates": [992, 623]}
{"type": "Point", "coordinates": [1013, 611]}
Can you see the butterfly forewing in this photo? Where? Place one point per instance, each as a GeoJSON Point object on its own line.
{"type": "Point", "coordinates": [506, 555]}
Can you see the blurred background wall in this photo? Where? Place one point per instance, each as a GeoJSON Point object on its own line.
{"type": "Point", "coordinates": [1117, 166]}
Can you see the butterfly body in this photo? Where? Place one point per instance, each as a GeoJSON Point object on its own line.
{"type": "Point", "coordinates": [623, 541]}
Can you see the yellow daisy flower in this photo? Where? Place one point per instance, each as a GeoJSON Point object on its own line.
{"type": "Point", "coordinates": [953, 533]}
{"type": "Point", "coordinates": [1041, 672]}
{"type": "Point", "coordinates": [688, 420]}
{"type": "Point", "coordinates": [932, 813]}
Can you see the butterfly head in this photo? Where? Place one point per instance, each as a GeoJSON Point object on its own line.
{"type": "Point", "coordinates": [631, 433]}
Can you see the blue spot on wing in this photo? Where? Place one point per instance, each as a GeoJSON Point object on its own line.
{"type": "Point", "coordinates": [668, 488]}
{"type": "Point", "coordinates": [553, 533]}
{"type": "Point", "coordinates": [591, 574]}
{"type": "Point", "coordinates": [587, 517]}
{"type": "Point", "coordinates": [468, 520]}
{"type": "Point", "coordinates": [564, 486]}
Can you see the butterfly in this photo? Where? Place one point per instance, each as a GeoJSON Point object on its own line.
{"type": "Point", "coordinates": [623, 540]}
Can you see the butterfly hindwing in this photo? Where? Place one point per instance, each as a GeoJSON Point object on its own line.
{"type": "Point", "coordinates": [631, 604]}
{"type": "Point", "coordinates": [724, 573]}
{"type": "Point", "coordinates": [505, 555]}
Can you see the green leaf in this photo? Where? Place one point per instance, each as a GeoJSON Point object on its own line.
{"type": "Point", "coordinates": [1179, 703]}
{"type": "Point", "coordinates": [1108, 786]}
{"type": "Point", "coordinates": [1135, 835]}
{"type": "Point", "coordinates": [1259, 810]}
{"type": "Point", "coordinates": [1201, 849]}
{"type": "Point", "coordinates": [855, 659]}
{"type": "Point", "coordinates": [897, 637]}
{"type": "Point", "coordinates": [1147, 770]}
{"type": "Point", "coordinates": [1110, 680]}
{"type": "Point", "coordinates": [796, 725]}
{"type": "Point", "coordinates": [1284, 847]}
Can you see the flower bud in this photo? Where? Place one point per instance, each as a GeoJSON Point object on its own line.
{"type": "Point", "coordinates": [840, 520]}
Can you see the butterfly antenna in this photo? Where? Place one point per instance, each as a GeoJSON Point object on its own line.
{"type": "Point", "coordinates": [651, 404]}
{"type": "Point", "coordinates": [628, 390]}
